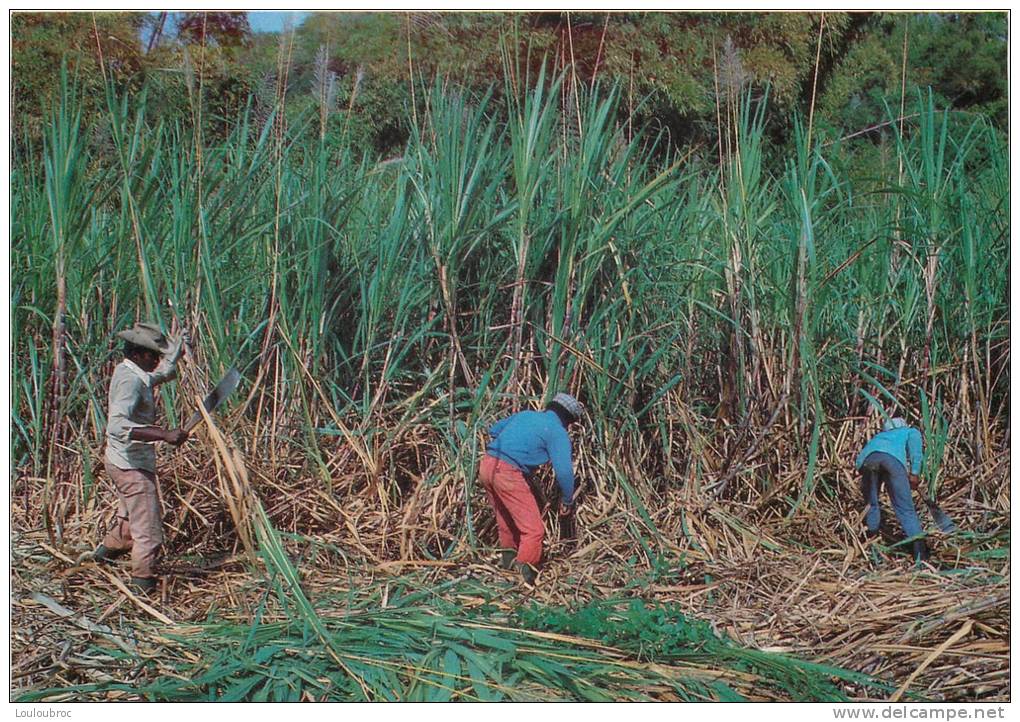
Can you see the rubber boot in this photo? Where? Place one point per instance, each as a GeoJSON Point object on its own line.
{"type": "Point", "coordinates": [920, 551]}
{"type": "Point", "coordinates": [145, 585]}
{"type": "Point", "coordinates": [528, 574]}
{"type": "Point", "coordinates": [506, 559]}
{"type": "Point", "coordinates": [100, 555]}
{"type": "Point", "coordinates": [106, 556]}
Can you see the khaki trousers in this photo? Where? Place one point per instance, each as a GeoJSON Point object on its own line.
{"type": "Point", "coordinates": [139, 525]}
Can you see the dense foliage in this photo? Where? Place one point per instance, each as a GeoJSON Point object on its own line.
{"type": "Point", "coordinates": [671, 66]}
{"type": "Point", "coordinates": [508, 254]}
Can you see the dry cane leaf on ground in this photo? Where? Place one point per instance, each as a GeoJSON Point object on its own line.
{"type": "Point", "coordinates": [919, 633]}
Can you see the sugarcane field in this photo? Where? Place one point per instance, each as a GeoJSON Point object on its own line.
{"type": "Point", "coordinates": [511, 357]}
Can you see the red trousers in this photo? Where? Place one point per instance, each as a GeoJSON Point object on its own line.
{"type": "Point", "coordinates": [517, 516]}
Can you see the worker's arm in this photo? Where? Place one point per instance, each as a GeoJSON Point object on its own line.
{"type": "Point", "coordinates": [124, 394]}
{"type": "Point", "coordinates": [560, 457]}
{"type": "Point", "coordinates": [157, 433]}
{"type": "Point", "coordinates": [915, 451]}
{"type": "Point", "coordinates": [167, 368]}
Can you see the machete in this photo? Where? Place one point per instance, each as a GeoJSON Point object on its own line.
{"type": "Point", "coordinates": [942, 520]}
{"type": "Point", "coordinates": [568, 527]}
{"type": "Point", "coordinates": [223, 389]}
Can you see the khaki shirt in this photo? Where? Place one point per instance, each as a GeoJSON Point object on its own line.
{"type": "Point", "coordinates": [132, 405]}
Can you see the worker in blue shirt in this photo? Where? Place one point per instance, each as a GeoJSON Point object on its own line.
{"type": "Point", "coordinates": [893, 457]}
{"type": "Point", "coordinates": [519, 444]}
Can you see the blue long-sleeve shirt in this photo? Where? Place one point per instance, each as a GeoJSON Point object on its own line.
{"type": "Point", "coordinates": [903, 444]}
{"type": "Point", "coordinates": [529, 439]}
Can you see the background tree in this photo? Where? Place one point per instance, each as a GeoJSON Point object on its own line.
{"type": "Point", "coordinates": [222, 28]}
{"type": "Point", "coordinates": [40, 41]}
{"type": "Point", "coordinates": [672, 67]}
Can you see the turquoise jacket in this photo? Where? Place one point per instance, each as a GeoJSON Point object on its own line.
{"type": "Point", "coordinates": [902, 444]}
{"type": "Point", "coordinates": [529, 439]}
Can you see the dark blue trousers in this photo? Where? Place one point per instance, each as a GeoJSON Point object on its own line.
{"type": "Point", "coordinates": [881, 468]}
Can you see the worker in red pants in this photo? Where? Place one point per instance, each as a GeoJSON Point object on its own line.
{"type": "Point", "coordinates": [520, 444]}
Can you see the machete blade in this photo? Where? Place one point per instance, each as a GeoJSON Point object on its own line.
{"type": "Point", "coordinates": [210, 403]}
{"type": "Point", "coordinates": [942, 520]}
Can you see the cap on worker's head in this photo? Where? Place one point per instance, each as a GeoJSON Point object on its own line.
{"type": "Point", "coordinates": [894, 423]}
{"type": "Point", "coordinates": [569, 404]}
{"type": "Point", "coordinates": [146, 335]}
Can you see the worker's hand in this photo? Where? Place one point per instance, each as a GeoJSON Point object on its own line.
{"type": "Point", "coordinates": [177, 345]}
{"type": "Point", "coordinates": [567, 509]}
{"type": "Point", "coordinates": [915, 480]}
{"type": "Point", "coordinates": [176, 436]}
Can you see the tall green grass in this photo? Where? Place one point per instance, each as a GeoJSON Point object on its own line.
{"type": "Point", "coordinates": [514, 250]}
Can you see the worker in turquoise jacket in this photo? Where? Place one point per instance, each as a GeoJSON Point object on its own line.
{"type": "Point", "coordinates": [893, 457]}
{"type": "Point", "coordinates": [518, 445]}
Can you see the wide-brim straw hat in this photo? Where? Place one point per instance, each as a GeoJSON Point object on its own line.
{"type": "Point", "coordinates": [146, 335]}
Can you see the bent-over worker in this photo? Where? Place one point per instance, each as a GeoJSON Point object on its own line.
{"type": "Point", "coordinates": [519, 445]}
{"type": "Point", "coordinates": [893, 457]}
